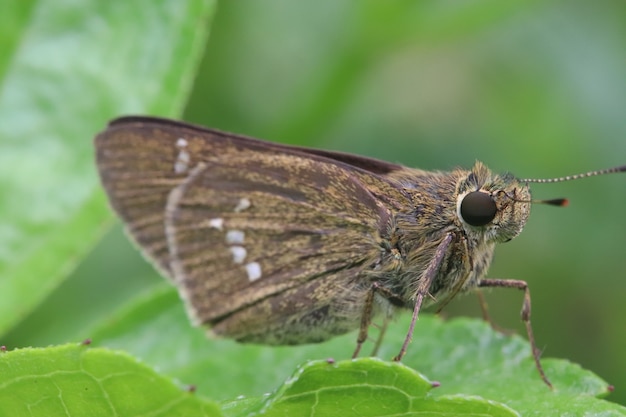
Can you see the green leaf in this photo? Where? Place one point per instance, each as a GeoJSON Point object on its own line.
{"type": "Point", "coordinates": [368, 387]}
{"type": "Point", "coordinates": [74, 380]}
{"type": "Point", "coordinates": [66, 68]}
{"type": "Point", "coordinates": [466, 356]}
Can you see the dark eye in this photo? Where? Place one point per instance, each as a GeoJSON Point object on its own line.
{"type": "Point", "coordinates": [478, 209]}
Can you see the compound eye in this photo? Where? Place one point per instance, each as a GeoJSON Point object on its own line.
{"type": "Point", "coordinates": [478, 209]}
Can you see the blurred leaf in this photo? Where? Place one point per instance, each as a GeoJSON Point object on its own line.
{"type": "Point", "coordinates": [325, 71]}
{"type": "Point", "coordinates": [97, 288]}
{"type": "Point", "coordinates": [67, 69]}
{"type": "Point", "coordinates": [77, 381]}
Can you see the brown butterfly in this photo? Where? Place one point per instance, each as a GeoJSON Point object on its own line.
{"type": "Point", "coordinates": [277, 244]}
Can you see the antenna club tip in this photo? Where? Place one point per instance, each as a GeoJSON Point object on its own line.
{"type": "Point", "coordinates": [559, 202]}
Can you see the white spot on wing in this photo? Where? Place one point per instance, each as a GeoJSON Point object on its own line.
{"type": "Point", "coordinates": [235, 237]}
{"type": "Point", "coordinates": [243, 204]}
{"type": "Point", "coordinates": [182, 160]}
{"type": "Point", "coordinates": [217, 223]}
{"type": "Point", "coordinates": [254, 271]}
{"type": "Point", "coordinates": [239, 254]}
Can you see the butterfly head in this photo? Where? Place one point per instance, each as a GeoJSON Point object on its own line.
{"type": "Point", "coordinates": [495, 207]}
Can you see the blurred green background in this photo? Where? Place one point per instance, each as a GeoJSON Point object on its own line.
{"type": "Point", "coordinates": [535, 88]}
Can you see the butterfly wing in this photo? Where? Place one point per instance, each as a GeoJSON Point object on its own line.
{"type": "Point", "coordinates": [141, 159]}
{"type": "Point", "coordinates": [267, 243]}
{"type": "Point", "coordinates": [267, 247]}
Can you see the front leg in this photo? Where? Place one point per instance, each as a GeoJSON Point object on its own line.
{"type": "Point", "coordinates": [422, 290]}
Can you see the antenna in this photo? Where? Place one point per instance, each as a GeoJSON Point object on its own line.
{"type": "Point", "coordinates": [559, 202]}
{"type": "Point", "coordinates": [577, 176]}
{"type": "Point", "coordinates": [562, 202]}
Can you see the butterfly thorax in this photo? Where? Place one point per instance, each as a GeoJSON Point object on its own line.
{"type": "Point", "coordinates": [412, 234]}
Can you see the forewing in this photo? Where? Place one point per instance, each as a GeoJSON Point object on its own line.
{"type": "Point", "coordinates": [246, 228]}
{"type": "Point", "coordinates": [142, 159]}
{"type": "Point", "coordinates": [136, 162]}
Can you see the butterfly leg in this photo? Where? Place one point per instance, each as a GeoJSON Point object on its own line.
{"type": "Point", "coordinates": [381, 335]}
{"type": "Point", "coordinates": [484, 308]}
{"type": "Point", "coordinates": [521, 285]}
{"type": "Point", "coordinates": [422, 290]}
{"type": "Point", "coordinates": [366, 317]}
